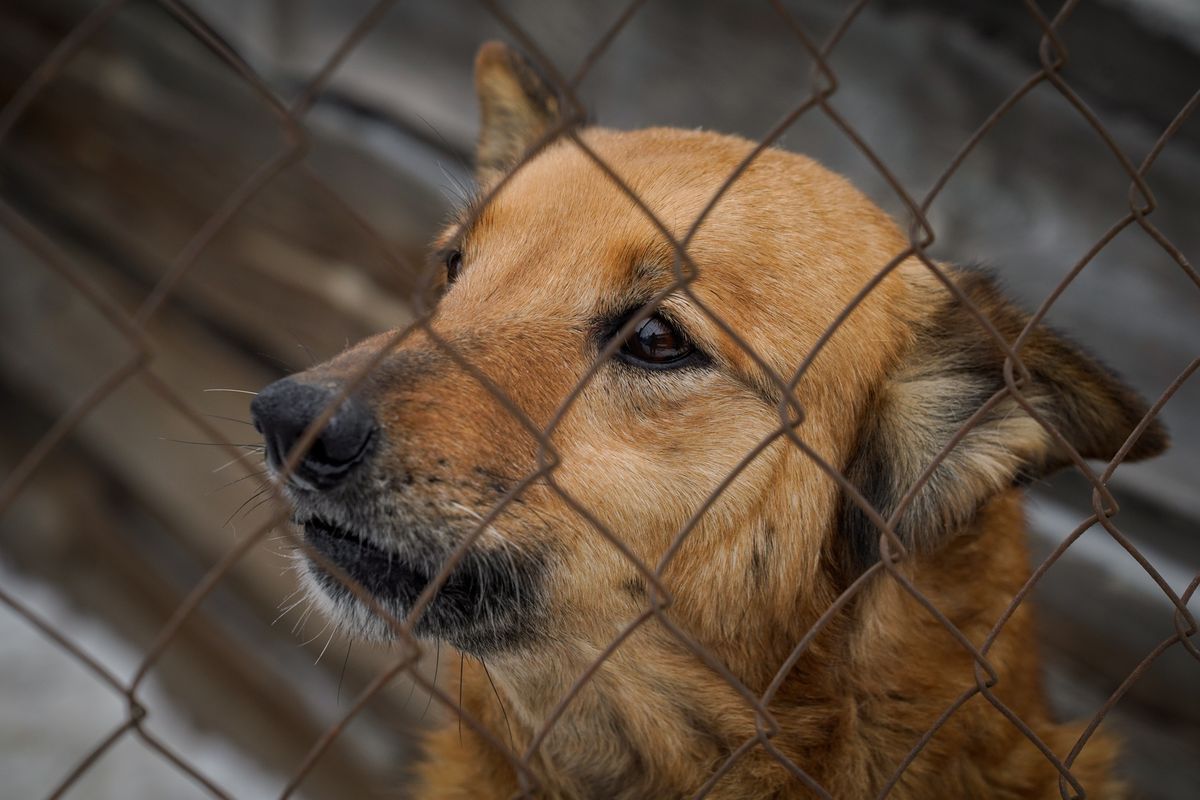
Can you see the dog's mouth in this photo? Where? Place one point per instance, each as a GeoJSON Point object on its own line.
{"type": "Point", "coordinates": [328, 535]}
{"type": "Point", "coordinates": [384, 573]}
{"type": "Point", "coordinates": [488, 601]}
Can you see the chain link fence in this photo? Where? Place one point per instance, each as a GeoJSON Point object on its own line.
{"type": "Point", "coordinates": [291, 154]}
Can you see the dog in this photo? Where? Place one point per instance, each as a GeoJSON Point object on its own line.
{"type": "Point", "coordinates": [561, 279]}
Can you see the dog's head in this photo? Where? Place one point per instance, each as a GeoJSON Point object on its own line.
{"type": "Point", "coordinates": [505, 397]}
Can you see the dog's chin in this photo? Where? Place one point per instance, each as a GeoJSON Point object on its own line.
{"type": "Point", "coordinates": [345, 610]}
{"type": "Point", "coordinates": [491, 601]}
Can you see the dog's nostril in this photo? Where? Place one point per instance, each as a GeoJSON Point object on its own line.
{"type": "Point", "coordinates": [343, 439]}
{"type": "Point", "coordinates": [283, 413]}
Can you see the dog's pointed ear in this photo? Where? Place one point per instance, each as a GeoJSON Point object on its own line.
{"type": "Point", "coordinates": [516, 107]}
{"type": "Point", "coordinates": [951, 369]}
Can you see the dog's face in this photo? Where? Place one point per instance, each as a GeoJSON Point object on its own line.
{"type": "Point", "coordinates": [547, 275]}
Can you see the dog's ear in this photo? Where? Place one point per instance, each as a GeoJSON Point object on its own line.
{"type": "Point", "coordinates": [516, 106]}
{"type": "Point", "coordinates": [951, 369]}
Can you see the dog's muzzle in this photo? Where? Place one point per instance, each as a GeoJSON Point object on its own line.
{"type": "Point", "coordinates": [390, 539]}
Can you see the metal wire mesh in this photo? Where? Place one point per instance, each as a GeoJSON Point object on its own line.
{"type": "Point", "coordinates": [292, 150]}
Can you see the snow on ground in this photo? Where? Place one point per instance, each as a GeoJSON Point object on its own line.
{"type": "Point", "coordinates": [53, 711]}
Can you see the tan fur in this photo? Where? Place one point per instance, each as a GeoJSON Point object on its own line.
{"type": "Point", "coordinates": [782, 253]}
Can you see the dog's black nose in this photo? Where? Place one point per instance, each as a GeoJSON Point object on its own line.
{"type": "Point", "coordinates": [283, 411]}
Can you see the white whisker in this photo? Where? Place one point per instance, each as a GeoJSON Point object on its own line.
{"type": "Point", "coordinates": [326, 647]}
{"type": "Point", "coordinates": [289, 608]}
{"type": "Point", "coordinates": [233, 461]}
{"type": "Point", "coordinates": [320, 633]}
{"type": "Point", "coordinates": [299, 626]}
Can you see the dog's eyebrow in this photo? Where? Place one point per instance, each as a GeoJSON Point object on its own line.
{"type": "Point", "coordinates": [464, 216]}
{"type": "Point", "coordinates": [648, 273]}
{"type": "Point", "coordinates": [654, 264]}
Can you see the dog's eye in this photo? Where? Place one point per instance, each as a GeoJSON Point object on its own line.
{"type": "Point", "coordinates": [454, 261]}
{"type": "Point", "coordinates": [657, 343]}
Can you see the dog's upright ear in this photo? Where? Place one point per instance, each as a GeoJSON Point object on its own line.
{"type": "Point", "coordinates": [516, 107]}
{"type": "Point", "coordinates": [950, 370]}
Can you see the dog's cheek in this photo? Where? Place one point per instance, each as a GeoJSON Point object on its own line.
{"type": "Point", "coordinates": [644, 461]}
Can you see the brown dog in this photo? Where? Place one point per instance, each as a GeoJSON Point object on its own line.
{"type": "Point", "coordinates": [541, 279]}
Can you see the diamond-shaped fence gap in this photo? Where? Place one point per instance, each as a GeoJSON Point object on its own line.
{"type": "Point", "coordinates": [39, 46]}
{"type": "Point", "coordinates": [345, 58]}
{"type": "Point", "coordinates": [297, 252]}
{"type": "Point", "coordinates": [373, 208]}
{"type": "Point", "coordinates": [59, 347]}
{"type": "Point", "coordinates": [144, 174]}
{"type": "Point", "coordinates": [258, 32]}
{"type": "Point", "coordinates": [309, 699]}
{"type": "Point", "coordinates": [1150, 723]}
{"type": "Point", "coordinates": [666, 64]}
{"type": "Point", "coordinates": [860, 136]}
{"type": "Point", "coordinates": [430, 686]}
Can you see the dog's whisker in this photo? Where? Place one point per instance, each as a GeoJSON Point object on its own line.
{"type": "Point", "coordinates": [299, 626]}
{"type": "Point", "coordinates": [326, 647]}
{"type": "Point", "coordinates": [234, 391]}
{"type": "Point", "coordinates": [342, 675]}
{"type": "Point", "coordinates": [411, 689]}
{"type": "Point", "coordinates": [284, 613]}
{"type": "Point", "coordinates": [253, 446]}
{"type": "Point", "coordinates": [233, 461]}
{"type": "Point", "coordinates": [312, 359]}
{"type": "Point", "coordinates": [437, 663]}
{"type": "Point", "coordinates": [504, 711]}
{"type": "Point", "coordinates": [230, 419]}
{"type": "Point", "coordinates": [245, 477]}
{"type": "Point", "coordinates": [491, 529]}
{"type": "Point", "coordinates": [245, 503]}
{"type": "Point", "coordinates": [290, 595]}
{"type": "Point", "coordinates": [260, 503]}
{"type": "Point", "coordinates": [318, 635]}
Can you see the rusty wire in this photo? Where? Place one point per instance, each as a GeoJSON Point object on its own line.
{"type": "Point", "coordinates": [291, 154]}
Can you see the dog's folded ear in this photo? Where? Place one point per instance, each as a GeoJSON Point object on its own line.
{"type": "Point", "coordinates": [516, 107]}
{"type": "Point", "coordinates": [950, 371]}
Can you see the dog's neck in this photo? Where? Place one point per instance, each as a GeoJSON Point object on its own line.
{"type": "Point", "coordinates": [654, 720]}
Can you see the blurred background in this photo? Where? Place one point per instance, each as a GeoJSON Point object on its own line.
{"type": "Point", "coordinates": [145, 133]}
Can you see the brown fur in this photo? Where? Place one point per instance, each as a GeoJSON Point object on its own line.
{"type": "Point", "coordinates": [559, 251]}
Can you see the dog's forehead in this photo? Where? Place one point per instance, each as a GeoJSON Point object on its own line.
{"type": "Point", "coordinates": [562, 219]}
{"type": "Point", "coordinates": [563, 235]}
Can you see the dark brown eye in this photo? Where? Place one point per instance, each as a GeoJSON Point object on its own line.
{"type": "Point", "coordinates": [453, 265]}
{"type": "Point", "coordinates": [657, 343]}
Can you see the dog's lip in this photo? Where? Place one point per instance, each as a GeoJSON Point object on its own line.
{"type": "Point", "coordinates": [384, 572]}
{"type": "Point", "coordinates": [326, 535]}
{"type": "Point", "coordinates": [482, 604]}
